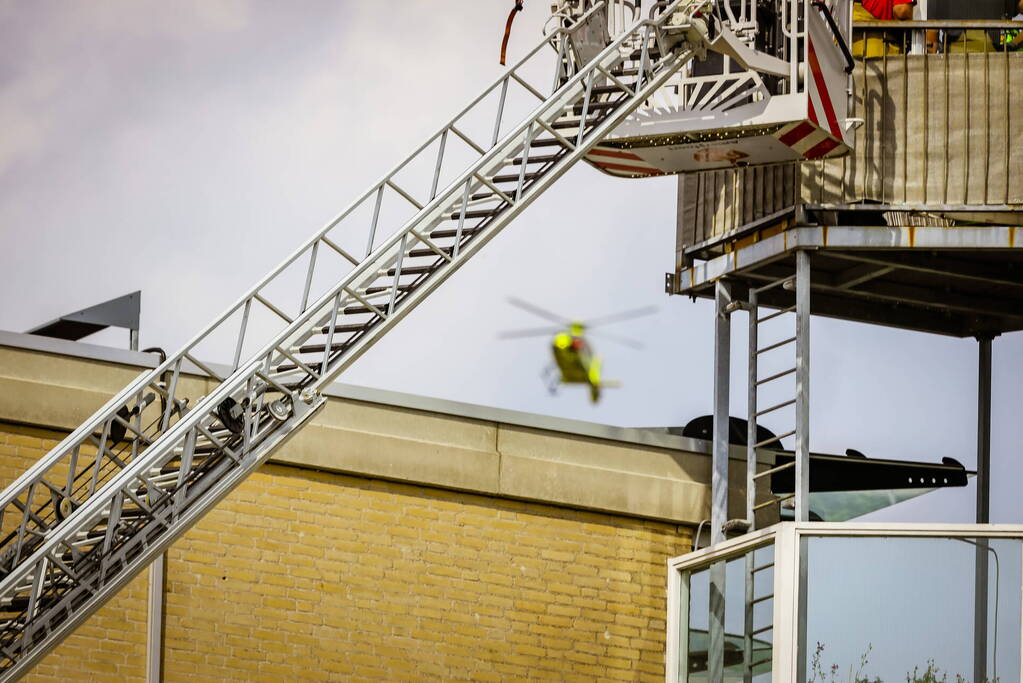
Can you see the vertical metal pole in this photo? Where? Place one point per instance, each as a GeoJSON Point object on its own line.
{"type": "Point", "coordinates": [156, 619]}
{"type": "Point", "coordinates": [751, 483]}
{"type": "Point", "coordinates": [719, 474]}
{"type": "Point", "coordinates": [802, 489]}
{"type": "Point", "coordinates": [980, 612]}
{"type": "Point", "coordinates": [984, 431]}
{"type": "Point", "coordinates": [133, 340]}
{"type": "Point", "coordinates": [751, 413]}
{"type": "Point", "coordinates": [719, 482]}
{"type": "Point", "coordinates": [716, 631]}
{"type": "Point", "coordinates": [747, 639]}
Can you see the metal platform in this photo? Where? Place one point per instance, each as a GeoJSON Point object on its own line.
{"type": "Point", "coordinates": [962, 281]}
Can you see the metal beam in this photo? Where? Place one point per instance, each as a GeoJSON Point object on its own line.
{"type": "Point", "coordinates": [857, 275]}
{"type": "Point", "coordinates": [933, 264]}
{"type": "Point", "coordinates": [156, 619]}
{"type": "Point", "coordinates": [722, 368]}
{"type": "Point", "coordinates": [802, 488]}
{"type": "Point", "coordinates": [980, 612]}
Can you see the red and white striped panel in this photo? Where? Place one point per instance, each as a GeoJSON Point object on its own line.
{"type": "Point", "coordinates": [621, 163]}
{"type": "Point", "coordinates": [821, 135]}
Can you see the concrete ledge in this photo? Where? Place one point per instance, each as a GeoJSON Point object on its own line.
{"type": "Point", "coordinates": [636, 472]}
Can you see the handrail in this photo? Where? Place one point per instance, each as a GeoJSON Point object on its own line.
{"type": "Point", "coordinates": [823, 8]}
{"type": "Point", "coordinates": [940, 23]}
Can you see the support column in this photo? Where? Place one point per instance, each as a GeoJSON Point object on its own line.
{"type": "Point", "coordinates": [719, 481]}
{"type": "Point", "coordinates": [802, 487]}
{"type": "Point", "coordinates": [156, 619]}
{"type": "Point", "coordinates": [722, 366]}
{"type": "Point", "coordinates": [980, 613]}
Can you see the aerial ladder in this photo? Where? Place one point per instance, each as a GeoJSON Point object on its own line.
{"type": "Point", "coordinates": [114, 494]}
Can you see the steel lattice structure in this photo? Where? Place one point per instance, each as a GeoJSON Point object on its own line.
{"type": "Point", "coordinates": [136, 475]}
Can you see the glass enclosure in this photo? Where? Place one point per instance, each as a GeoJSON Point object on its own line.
{"type": "Point", "coordinates": [739, 613]}
{"type": "Point", "coordinates": [850, 603]}
{"type": "Point", "coordinates": [905, 609]}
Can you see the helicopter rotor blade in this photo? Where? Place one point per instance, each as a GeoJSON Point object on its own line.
{"type": "Point", "coordinates": [619, 317]}
{"type": "Point", "coordinates": [537, 311]}
{"type": "Point", "coordinates": [626, 341]}
{"type": "Point", "coordinates": [529, 332]}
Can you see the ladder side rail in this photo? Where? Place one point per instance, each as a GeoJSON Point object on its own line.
{"type": "Point", "coordinates": [513, 143]}
{"type": "Point", "coordinates": [151, 381]}
{"type": "Point", "coordinates": [188, 427]}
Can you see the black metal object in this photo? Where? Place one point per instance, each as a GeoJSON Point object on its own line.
{"type": "Point", "coordinates": [120, 312]}
{"type": "Point", "coordinates": [853, 471]}
{"type": "Point", "coordinates": [830, 473]}
{"type": "Point", "coordinates": [703, 428]}
{"type": "Point", "coordinates": [849, 64]}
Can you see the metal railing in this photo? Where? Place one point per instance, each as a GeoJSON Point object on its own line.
{"type": "Point", "coordinates": [112, 502]}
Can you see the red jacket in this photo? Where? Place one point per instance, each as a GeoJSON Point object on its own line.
{"type": "Point", "coordinates": [882, 9]}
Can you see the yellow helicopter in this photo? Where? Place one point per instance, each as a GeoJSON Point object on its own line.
{"type": "Point", "coordinates": [574, 359]}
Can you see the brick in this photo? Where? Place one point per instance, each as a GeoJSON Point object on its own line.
{"type": "Point", "coordinates": [361, 579]}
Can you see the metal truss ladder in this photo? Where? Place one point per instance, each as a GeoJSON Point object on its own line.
{"type": "Point", "coordinates": [799, 312]}
{"type": "Point", "coordinates": [92, 513]}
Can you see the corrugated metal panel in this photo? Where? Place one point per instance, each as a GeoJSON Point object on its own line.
{"type": "Point", "coordinates": [937, 131]}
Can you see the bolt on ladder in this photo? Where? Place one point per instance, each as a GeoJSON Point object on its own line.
{"type": "Point", "coordinates": [122, 487]}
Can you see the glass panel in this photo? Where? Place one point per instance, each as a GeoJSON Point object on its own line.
{"type": "Point", "coordinates": [903, 609]}
{"type": "Point", "coordinates": [747, 614]}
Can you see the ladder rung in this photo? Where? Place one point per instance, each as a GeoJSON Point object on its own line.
{"type": "Point", "coordinates": [380, 290]}
{"type": "Point", "coordinates": [605, 90]}
{"type": "Point", "coordinates": [762, 598]}
{"type": "Point", "coordinates": [773, 439]}
{"type": "Point", "coordinates": [776, 501]}
{"type": "Point", "coordinates": [788, 309]}
{"type": "Point", "coordinates": [546, 142]}
{"type": "Point", "coordinates": [776, 345]}
{"type": "Point", "coordinates": [416, 254]}
{"type": "Point", "coordinates": [774, 377]}
{"type": "Point", "coordinates": [757, 663]}
{"type": "Point", "coordinates": [761, 567]}
{"type": "Point", "coordinates": [485, 213]}
{"type": "Point", "coordinates": [775, 407]}
{"type": "Point", "coordinates": [574, 123]}
{"type": "Point", "coordinates": [359, 310]}
{"type": "Point", "coordinates": [762, 629]}
{"type": "Point", "coordinates": [441, 234]}
{"type": "Point", "coordinates": [356, 327]}
{"type": "Point", "coordinates": [595, 106]}
{"type": "Point", "coordinates": [779, 468]}
{"type": "Point", "coordinates": [410, 270]}
{"type": "Point", "coordinates": [514, 178]}
{"type": "Point", "coordinates": [320, 348]}
{"type": "Point", "coordinates": [545, 159]}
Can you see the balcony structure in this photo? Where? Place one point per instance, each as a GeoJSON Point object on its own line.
{"type": "Point", "coordinates": [920, 227]}
{"type": "Point", "coordinates": [849, 602]}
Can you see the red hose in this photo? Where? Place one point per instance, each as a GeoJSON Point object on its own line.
{"type": "Point", "coordinates": [507, 29]}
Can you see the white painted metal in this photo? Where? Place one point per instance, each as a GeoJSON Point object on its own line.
{"type": "Point", "coordinates": [114, 494]}
{"type": "Point", "coordinates": [789, 539]}
{"type": "Point", "coordinates": [722, 369]}
{"type": "Point", "coordinates": [802, 483]}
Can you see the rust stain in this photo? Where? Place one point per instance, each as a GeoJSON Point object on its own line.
{"type": "Point", "coordinates": [824, 235]}
{"type": "Point", "coordinates": [1012, 237]}
{"type": "Point", "coordinates": [912, 235]}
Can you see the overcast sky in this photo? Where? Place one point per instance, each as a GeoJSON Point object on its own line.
{"type": "Point", "coordinates": [184, 148]}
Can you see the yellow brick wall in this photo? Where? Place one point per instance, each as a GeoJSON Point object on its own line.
{"type": "Point", "coordinates": [302, 575]}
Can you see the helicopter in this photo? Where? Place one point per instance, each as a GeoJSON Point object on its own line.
{"type": "Point", "coordinates": [574, 359]}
